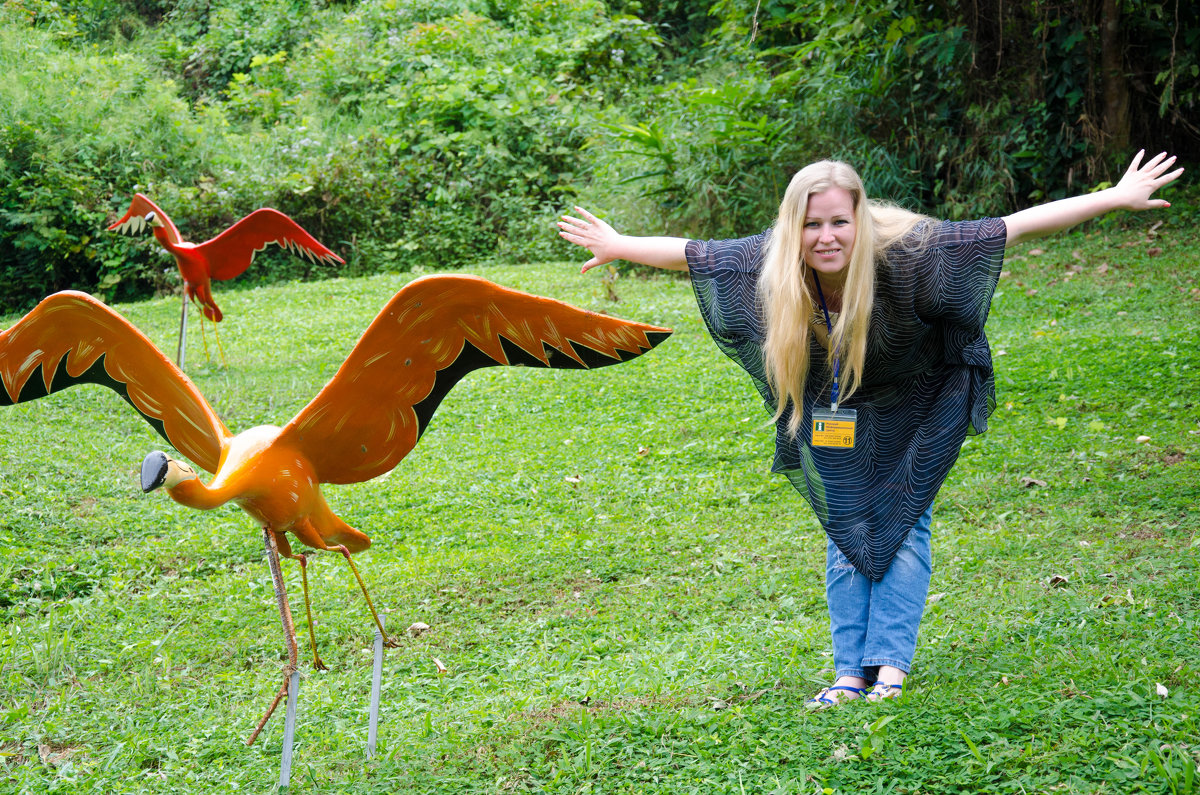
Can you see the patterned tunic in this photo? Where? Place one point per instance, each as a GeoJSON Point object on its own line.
{"type": "Point", "coordinates": [927, 379]}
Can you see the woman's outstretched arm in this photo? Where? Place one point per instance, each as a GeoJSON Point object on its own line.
{"type": "Point", "coordinates": [1131, 193]}
{"type": "Point", "coordinates": [606, 244]}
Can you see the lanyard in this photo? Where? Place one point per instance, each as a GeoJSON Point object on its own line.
{"type": "Point", "coordinates": [837, 357]}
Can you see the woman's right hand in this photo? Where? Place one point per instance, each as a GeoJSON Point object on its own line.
{"type": "Point", "coordinates": [606, 244]}
{"type": "Point", "coordinates": [591, 233]}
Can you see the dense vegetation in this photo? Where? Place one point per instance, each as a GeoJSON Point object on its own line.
{"type": "Point", "coordinates": [406, 133]}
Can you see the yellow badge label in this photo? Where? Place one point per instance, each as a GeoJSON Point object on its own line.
{"type": "Point", "coordinates": [833, 428]}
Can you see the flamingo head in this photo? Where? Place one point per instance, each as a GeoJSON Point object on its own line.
{"type": "Point", "coordinates": [159, 469]}
{"type": "Point", "coordinates": [133, 223]}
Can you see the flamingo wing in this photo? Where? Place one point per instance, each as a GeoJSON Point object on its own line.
{"type": "Point", "coordinates": [71, 338]}
{"type": "Point", "coordinates": [135, 221]}
{"type": "Point", "coordinates": [429, 335]}
{"type": "Point", "coordinates": [231, 252]}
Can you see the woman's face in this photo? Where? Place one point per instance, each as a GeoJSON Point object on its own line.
{"type": "Point", "coordinates": [829, 232]}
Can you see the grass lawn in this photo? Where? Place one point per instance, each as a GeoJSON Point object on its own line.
{"type": "Point", "coordinates": [625, 600]}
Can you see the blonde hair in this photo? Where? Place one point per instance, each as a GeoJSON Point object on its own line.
{"type": "Point", "coordinates": [789, 305]}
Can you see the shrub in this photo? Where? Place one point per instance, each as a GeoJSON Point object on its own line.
{"type": "Point", "coordinates": [76, 131]}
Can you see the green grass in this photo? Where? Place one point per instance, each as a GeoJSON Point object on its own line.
{"type": "Point", "coordinates": [624, 597]}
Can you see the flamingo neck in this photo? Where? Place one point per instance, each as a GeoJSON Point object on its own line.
{"type": "Point", "coordinates": [164, 239]}
{"type": "Point", "coordinates": [194, 494]}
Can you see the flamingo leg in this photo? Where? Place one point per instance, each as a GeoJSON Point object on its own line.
{"type": "Point", "coordinates": [220, 347]}
{"type": "Point", "coordinates": [204, 339]}
{"type": "Point", "coordinates": [388, 640]}
{"type": "Point", "coordinates": [217, 338]}
{"type": "Point", "coordinates": [289, 630]}
{"type": "Point", "coordinates": [285, 549]}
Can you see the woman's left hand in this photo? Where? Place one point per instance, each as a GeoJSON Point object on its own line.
{"type": "Point", "coordinates": [1133, 192]}
{"type": "Point", "coordinates": [1142, 180]}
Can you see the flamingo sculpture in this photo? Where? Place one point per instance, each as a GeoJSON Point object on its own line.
{"type": "Point", "coordinates": [226, 256]}
{"type": "Point", "coordinates": [360, 425]}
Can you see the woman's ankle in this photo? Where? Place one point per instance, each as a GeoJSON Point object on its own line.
{"type": "Point", "coordinates": [890, 675]}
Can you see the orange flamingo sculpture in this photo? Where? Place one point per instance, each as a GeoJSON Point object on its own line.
{"type": "Point", "coordinates": [226, 256]}
{"type": "Point", "coordinates": [360, 425]}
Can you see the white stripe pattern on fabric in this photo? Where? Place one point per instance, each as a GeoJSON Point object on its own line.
{"type": "Point", "coordinates": [927, 379]}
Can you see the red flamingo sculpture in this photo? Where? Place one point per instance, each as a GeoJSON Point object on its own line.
{"type": "Point", "coordinates": [226, 256]}
{"type": "Point", "coordinates": [360, 425]}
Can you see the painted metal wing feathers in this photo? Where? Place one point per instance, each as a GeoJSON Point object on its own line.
{"type": "Point", "coordinates": [71, 338]}
{"type": "Point", "coordinates": [232, 251]}
{"type": "Point", "coordinates": [432, 332]}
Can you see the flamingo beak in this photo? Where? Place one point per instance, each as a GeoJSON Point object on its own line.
{"type": "Point", "coordinates": [154, 471]}
{"type": "Point", "coordinates": [159, 469]}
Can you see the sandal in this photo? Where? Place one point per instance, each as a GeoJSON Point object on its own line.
{"type": "Point", "coordinates": [882, 690]}
{"type": "Point", "coordinates": [832, 697]}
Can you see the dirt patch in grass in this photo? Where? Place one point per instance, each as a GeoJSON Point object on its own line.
{"type": "Point", "coordinates": [55, 754]}
{"type": "Point", "coordinates": [565, 709]}
{"type": "Point", "coordinates": [1172, 457]}
{"type": "Point", "coordinates": [86, 507]}
{"type": "Point", "coordinates": [1145, 533]}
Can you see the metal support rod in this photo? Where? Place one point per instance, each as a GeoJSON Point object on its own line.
{"type": "Point", "coordinates": [182, 333]}
{"type": "Point", "coordinates": [289, 730]}
{"type": "Point", "coordinates": [376, 678]}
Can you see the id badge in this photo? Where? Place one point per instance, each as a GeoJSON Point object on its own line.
{"type": "Point", "coordinates": [833, 428]}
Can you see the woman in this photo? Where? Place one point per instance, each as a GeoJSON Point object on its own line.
{"type": "Point", "coordinates": [862, 326]}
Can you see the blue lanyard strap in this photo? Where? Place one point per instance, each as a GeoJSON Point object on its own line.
{"type": "Point", "coordinates": [837, 357]}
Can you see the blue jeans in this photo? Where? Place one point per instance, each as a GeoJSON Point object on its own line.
{"type": "Point", "coordinates": [875, 623]}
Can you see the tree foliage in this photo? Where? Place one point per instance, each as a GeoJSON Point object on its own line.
{"type": "Point", "coordinates": [438, 133]}
{"type": "Point", "coordinates": [957, 109]}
